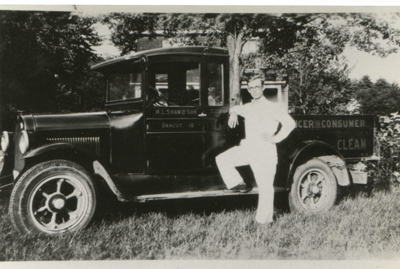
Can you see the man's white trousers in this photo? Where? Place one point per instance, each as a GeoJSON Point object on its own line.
{"type": "Point", "coordinates": [262, 158]}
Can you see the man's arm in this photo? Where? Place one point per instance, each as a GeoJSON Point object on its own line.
{"type": "Point", "coordinates": [287, 126]}
{"type": "Point", "coordinates": [233, 116]}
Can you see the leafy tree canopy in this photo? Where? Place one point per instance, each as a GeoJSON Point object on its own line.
{"type": "Point", "coordinates": [304, 47]}
{"type": "Point", "coordinates": [45, 60]}
{"type": "Point", "coordinates": [379, 98]}
{"type": "Point", "coordinates": [230, 30]}
{"type": "Point", "coordinates": [317, 73]}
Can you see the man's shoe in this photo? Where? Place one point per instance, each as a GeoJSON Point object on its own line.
{"type": "Point", "coordinates": [240, 188]}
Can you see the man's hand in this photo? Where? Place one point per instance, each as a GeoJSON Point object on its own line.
{"type": "Point", "coordinates": [267, 137]}
{"type": "Point", "coordinates": [233, 120]}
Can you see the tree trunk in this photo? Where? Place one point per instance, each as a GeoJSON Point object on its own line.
{"type": "Point", "coordinates": [235, 45]}
{"type": "Point", "coordinates": [234, 83]}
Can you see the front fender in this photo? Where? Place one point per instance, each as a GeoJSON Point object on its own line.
{"type": "Point", "coordinates": [317, 149]}
{"type": "Point", "coordinates": [54, 148]}
{"type": "Point", "coordinates": [48, 148]}
{"type": "Point", "coordinates": [60, 146]}
{"type": "Point", "coordinates": [97, 168]}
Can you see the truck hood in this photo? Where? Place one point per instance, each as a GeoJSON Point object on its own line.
{"type": "Point", "coordinates": [73, 121]}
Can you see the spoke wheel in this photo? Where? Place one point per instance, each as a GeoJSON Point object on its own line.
{"type": "Point", "coordinates": [52, 198]}
{"type": "Point", "coordinates": [314, 188]}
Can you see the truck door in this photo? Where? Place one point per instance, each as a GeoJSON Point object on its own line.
{"type": "Point", "coordinates": [125, 111]}
{"type": "Point", "coordinates": [175, 118]}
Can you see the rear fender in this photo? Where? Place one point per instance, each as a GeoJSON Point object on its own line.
{"type": "Point", "coordinates": [323, 151]}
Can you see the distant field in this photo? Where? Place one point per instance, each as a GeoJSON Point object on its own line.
{"type": "Point", "coordinates": [359, 227]}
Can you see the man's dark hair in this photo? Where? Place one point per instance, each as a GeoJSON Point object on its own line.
{"type": "Point", "coordinates": [254, 77]}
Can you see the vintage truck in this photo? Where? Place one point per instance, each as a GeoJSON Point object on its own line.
{"type": "Point", "coordinates": [164, 122]}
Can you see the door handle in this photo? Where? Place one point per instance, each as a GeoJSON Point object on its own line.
{"type": "Point", "coordinates": [202, 115]}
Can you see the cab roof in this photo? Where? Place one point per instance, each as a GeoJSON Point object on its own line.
{"type": "Point", "coordinates": [190, 51]}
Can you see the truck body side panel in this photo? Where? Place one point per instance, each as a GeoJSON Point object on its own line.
{"type": "Point", "coordinates": [352, 135]}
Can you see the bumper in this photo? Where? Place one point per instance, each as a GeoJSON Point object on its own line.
{"type": "Point", "coordinates": [6, 183]}
{"type": "Point", "coordinates": [6, 175]}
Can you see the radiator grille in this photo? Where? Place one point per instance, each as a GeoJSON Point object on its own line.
{"type": "Point", "coordinates": [89, 143]}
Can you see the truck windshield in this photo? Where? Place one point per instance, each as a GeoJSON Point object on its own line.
{"type": "Point", "coordinates": [174, 84]}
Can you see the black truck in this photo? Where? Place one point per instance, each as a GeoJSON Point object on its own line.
{"type": "Point", "coordinates": [164, 122]}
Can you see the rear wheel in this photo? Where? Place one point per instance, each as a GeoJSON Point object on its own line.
{"type": "Point", "coordinates": [53, 197]}
{"type": "Point", "coordinates": [314, 188]}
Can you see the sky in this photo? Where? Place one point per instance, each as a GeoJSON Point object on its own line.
{"type": "Point", "coordinates": [107, 49]}
{"type": "Point", "coordinates": [375, 67]}
{"type": "Point", "coordinates": [363, 63]}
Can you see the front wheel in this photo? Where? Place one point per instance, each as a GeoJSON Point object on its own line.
{"type": "Point", "coordinates": [53, 197]}
{"type": "Point", "coordinates": [314, 188]}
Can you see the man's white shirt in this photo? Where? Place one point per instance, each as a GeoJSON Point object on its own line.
{"type": "Point", "coordinates": [263, 116]}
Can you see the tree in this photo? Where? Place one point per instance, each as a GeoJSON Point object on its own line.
{"type": "Point", "coordinates": [318, 78]}
{"type": "Point", "coordinates": [127, 29]}
{"type": "Point", "coordinates": [297, 35]}
{"type": "Point", "coordinates": [45, 59]}
{"type": "Point", "coordinates": [379, 98]}
{"type": "Point", "coordinates": [277, 34]}
{"type": "Point", "coordinates": [317, 86]}
{"type": "Point", "coordinates": [230, 30]}
{"type": "Point", "coordinates": [318, 74]}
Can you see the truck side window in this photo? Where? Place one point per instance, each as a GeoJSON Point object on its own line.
{"type": "Point", "coordinates": [215, 84]}
{"type": "Point", "coordinates": [124, 86]}
{"type": "Point", "coordinates": [174, 84]}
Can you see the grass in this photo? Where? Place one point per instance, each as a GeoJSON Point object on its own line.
{"type": "Point", "coordinates": [359, 227]}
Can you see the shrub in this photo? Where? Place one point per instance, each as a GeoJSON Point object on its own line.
{"type": "Point", "coordinates": [387, 170]}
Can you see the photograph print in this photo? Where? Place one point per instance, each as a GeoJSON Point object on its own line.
{"type": "Point", "coordinates": [226, 133]}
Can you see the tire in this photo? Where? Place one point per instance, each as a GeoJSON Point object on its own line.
{"type": "Point", "coordinates": [53, 197]}
{"type": "Point", "coordinates": [314, 188]}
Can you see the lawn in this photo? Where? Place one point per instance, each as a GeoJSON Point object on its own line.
{"type": "Point", "coordinates": [360, 227]}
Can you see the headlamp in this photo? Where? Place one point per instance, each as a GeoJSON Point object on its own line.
{"type": "Point", "coordinates": [5, 141]}
{"type": "Point", "coordinates": [23, 142]}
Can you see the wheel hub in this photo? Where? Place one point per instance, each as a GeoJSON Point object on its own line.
{"type": "Point", "coordinates": [315, 189]}
{"type": "Point", "coordinates": [57, 202]}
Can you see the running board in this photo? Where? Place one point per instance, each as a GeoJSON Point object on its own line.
{"type": "Point", "coordinates": [194, 194]}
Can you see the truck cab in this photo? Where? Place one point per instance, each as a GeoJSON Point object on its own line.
{"type": "Point", "coordinates": [164, 122]}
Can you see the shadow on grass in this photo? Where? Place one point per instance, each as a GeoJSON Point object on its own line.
{"type": "Point", "coordinates": [112, 211]}
{"type": "Point", "coordinates": [200, 206]}
{"type": "Point", "coordinates": [368, 190]}
{"type": "Point", "coordinates": [205, 206]}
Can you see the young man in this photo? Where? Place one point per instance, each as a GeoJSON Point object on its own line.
{"type": "Point", "coordinates": [258, 149]}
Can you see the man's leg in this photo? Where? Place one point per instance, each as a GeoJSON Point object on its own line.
{"type": "Point", "coordinates": [227, 163]}
{"type": "Point", "coordinates": [264, 169]}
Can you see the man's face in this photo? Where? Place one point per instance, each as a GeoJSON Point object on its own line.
{"type": "Point", "coordinates": [255, 88]}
